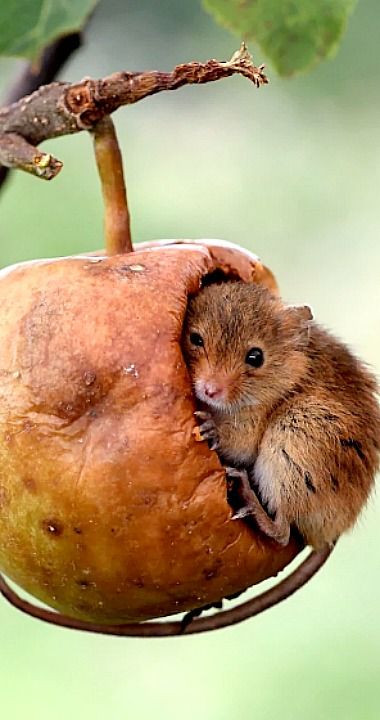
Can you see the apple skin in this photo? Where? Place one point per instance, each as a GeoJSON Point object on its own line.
{"type": "Point", "coordinates": [110, 510]}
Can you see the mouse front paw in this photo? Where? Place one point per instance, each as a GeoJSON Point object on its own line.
{"type": "Point", "coordinates": [207, 428]}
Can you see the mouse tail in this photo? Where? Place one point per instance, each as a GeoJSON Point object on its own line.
{"type": "Point", "coordinates": [276, 594]}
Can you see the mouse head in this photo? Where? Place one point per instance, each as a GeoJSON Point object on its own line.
{"type": "Point", "coordinates": [243, 346]}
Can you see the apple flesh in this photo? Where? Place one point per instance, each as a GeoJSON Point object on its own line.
{"type": "Point", "coordinates": [109, 509]}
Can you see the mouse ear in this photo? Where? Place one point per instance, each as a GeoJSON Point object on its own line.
{"type": "Point", "coordinates": [298, 319]}
{"type": "Point", "coordinates": [301, 312]}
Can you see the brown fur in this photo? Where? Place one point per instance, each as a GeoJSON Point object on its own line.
{"type": "Point", "coordinates": [306, 424]}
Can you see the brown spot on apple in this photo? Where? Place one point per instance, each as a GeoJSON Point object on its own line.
{"type": "Point", "coordinates": [89, 377]}
{"type": "Point", "coordinates": [30, 484]}
{"type": "Point", "coordinates": [52, 527]}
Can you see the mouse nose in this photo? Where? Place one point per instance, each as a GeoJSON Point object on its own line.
{"type": "Point", "coordinates": [212, 389]}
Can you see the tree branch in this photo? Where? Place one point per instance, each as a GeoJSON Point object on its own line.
{"type": "Point", "coordinates": [62, 108]}
{"type": "Point", "coordinates": [52, 60]}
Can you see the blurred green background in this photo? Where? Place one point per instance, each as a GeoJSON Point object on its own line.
{"type": "Point", "coordinates": [292, 172]}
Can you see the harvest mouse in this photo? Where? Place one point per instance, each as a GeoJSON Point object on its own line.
{"type": "Point", "coordinates": [288, 406]}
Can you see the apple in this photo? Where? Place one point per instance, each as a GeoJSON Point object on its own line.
{"type": "Point", "coordinates": [110, 510]}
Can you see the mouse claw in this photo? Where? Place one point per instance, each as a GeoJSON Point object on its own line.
{"type": "Point", "coordinates": [207, 429]}
{"type": "Point", "coordinates": [203, 415]}
{"type": "Point", "coordinates": [211, 435]}
{"type": "Point", "coordinates": [242, 513]}
{"type": "Point", "coordinates": [237, 474]}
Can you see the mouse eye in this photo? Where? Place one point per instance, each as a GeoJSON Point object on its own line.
{"type": "Point", "coordinates": [196, 339]}
{"type": "Point", "coordinates": [254, 357]}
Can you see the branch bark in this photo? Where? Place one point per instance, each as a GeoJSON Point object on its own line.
{"type": "Point", "coordinates": [63, 108]}
{"type": "Point", "coordinates": [52, 61]}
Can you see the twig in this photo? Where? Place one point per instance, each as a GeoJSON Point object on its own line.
{"type": "Point", "coordinates": [62, 109]}
{"type": "Point", "coordinates": [246, 610]}
{"type": "Point", "coordinates": [51, 62]}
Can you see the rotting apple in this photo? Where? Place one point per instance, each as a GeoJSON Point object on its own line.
{"type": "Point", "coordinates": [110, 510]}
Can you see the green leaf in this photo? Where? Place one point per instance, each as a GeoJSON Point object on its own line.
{"type": "Point", "coordinates": [27, 26]}
{"type": "Point", "coordinates": [294, 34]}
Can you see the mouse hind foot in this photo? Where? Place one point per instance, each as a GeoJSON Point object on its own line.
{"type": "Point", "coordinates": [278, 528]}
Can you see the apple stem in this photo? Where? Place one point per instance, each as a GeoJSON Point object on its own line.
{"type": "Point", "coordinates": [110, 167]}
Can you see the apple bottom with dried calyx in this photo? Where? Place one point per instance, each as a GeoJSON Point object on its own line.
{"type": "Point", "coordinates": [110, 509]}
